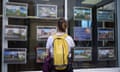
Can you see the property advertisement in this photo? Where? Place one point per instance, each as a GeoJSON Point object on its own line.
{"type": "Point", "coordinates": [105, 15]}
{"type": "Point", "coordinates": [105, 34]}
{"type": "Point", "coordinates": [15, 55]}
{"type": "Point", "coordinates": [106, 53]}
{"type": "Point", "coordinates": [43, 32]}
{"type": "Point", "coordinates": [40, 55]}
{"type": "Point", "coordinates": [16, 10]}
{"type": "Point", "coordinates": [46, 11]}
{"type": "Point", "coordinates": [82, 13]}
{"type": "Point", "coordinates": [82, 34]}
{"type": "Point", "coordinates": [82, 54]}
{"type": "Point", "coordinates": [16, 32]}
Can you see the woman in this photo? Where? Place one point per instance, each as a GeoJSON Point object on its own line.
{"type": "Point", "coordinates": [61, 29]}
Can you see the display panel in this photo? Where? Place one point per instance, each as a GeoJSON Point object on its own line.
{"type": "Point", "coordinates": [46, 11]}
{"type": "Point", "coordinates": [16, 32]}
{"type": "Point", "coordinates": [82, 34]}
{"type": "Point", "coordinates": [105, 34]}
{"type": "Point", "coordinates": [40, 54]}
{"type": "Point", "coordinates": [106, 53]}
{"type": "Point", "coordinates": [15, 55]}
{"type": "Point", "coordinates": [82, 54]}
{"type": "Point", "coordinates": [105, 15]}
{"type": "Point", "coordinates": [82, 13]}
{"type": "Point", "coordinates": [43, 32]}
{"type": "Point", "coordinates": [16, 9]}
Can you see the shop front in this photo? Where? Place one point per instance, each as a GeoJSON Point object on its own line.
{"type": "Point", "coordinates": [26, 25]}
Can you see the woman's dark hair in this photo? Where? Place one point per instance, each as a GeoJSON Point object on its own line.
{"type": "Point", "coordinates": [62, 25]}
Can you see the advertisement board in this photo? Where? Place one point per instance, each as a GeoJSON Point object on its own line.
{"type": "Point", "coordinates": [105, 34]}
{"type": "Point", "coordinates": [82, 13]}
{"type": "Point", "coordinates": [40, 54]}
{"type": "Point", "coordinates": [106, 53]}
{"type": "Point", "coordinates": [105, 15]}
{"type": "Point", "coordinates": [82, 34]}
{"type": "Point", "coordinates": [15, 55]}
{"type": "Point", "coordinates": [16, 32]}
{"type": "Point", "coordinates": [16, 9]}
{"type": "Point", "coordinates": [82, 54]}
{"type": "Point", "coordinates": [46, 11]}
{"type": "Point", "coordinates": [43, 32]}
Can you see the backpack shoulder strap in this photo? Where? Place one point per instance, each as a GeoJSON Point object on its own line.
{"type": "Point", "coordinates": [60, 36]}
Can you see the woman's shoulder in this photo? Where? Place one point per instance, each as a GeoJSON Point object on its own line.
{"type": "Point", "coordinates": [69, 37]}
{"type": "Point", "coordinates": [50, 37]}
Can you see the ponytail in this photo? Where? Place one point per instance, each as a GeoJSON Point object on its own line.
{"type": "Point", "coordinates": [62, 25]}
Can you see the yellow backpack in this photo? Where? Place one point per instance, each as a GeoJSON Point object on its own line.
{"type": "Point", "coordinates": [60, 52]}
